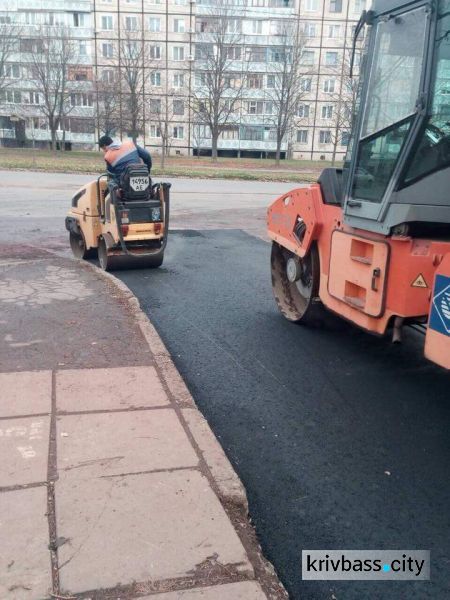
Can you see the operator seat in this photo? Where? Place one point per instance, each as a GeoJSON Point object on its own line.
{"type": "Point", "coordinates": [331, 184]}
{"type": "Point", "coordinates": [142, 189]}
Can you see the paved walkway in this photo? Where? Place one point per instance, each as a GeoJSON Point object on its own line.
{"type": "Point", "coordinates": [112, 485]}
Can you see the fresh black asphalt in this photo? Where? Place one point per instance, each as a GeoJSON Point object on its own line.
{"type": "Point", "coordinates": [340, 438]}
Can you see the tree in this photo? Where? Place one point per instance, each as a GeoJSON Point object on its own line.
{"type": "Point", "coordinates": [53, 59]}
{"type": "Point", "coordinates": [220, 71]}
{"type": "Point", "coordinates": [134, 64]}
{"type": "Point", "coordinates": [287, 80]}
{"type": "Point", "coordinates": [163, 112]}
{"type": "Point", "coordinates": [344, 101]}
{"type": "Point", "coordinates": [9, 34]}
{"type": "Point", "coordinates": [107, 106]}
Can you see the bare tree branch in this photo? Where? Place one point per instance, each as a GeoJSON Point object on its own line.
{"type": "Point", "coordinates": [9, 35]}
{"type": "Point", "coordinates": [54, 62]}
{"type": "Point", "coordinates": [220, 70]}
{"type": "Point", "coordinates": [287, 85]}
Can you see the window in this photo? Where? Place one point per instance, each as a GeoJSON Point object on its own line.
{"type": "Point", "coordinates": [327, 111]}
{"type": "Point", "coordinates": [178, 80]}
{"type": "Point", "coordinates": [10, 97]}
{"type": "Point", "coordinates": [178, 25]}
{"type": "Point", "coordinates": [178, 132]}
{"type": "Point", "coordinates": [255, 107]}
{"type": "Point", "coordinates": [30, 18]}
{"type": "Point", "coordinates": [329, 86]}
{"type": "Point", "coordinates": [309, 29]}
{"type": "Point", "coordinates": [306, 84]}
{"type": "Point", "coordinates": [131, 23]}
{"type": "Point", "coordinates": [256, 54]}
{"type": "Point", "coordinates": [311, 5]}
{"type": "Point", "coordinates": [155, 131]}
{"type": "Point", "coordinates": [31, 98]}
{"type": "Point", "coordinates": [108, 76]}
{"type": "Point", "coordinates": [345, 138]}
{"type": "Point", "coordinates": [271, 81]}
{"type": "Point", "coordinates": [178, 53]}
{"type": "Point", "coordinates": [82, 48]}
{"type": "Point", "coordinates": [155, 78]}
{"type": "Point", "coordinates": [336, 6]}
{"type": "Point", "coordinates": [155, 106]}
{"type": "Point", "coordinates": [107, 22]}
{"type": "Point", "coordinates": [257, 27]}
{"type": "Point", "coordinates": [31, 45]}
{"type": "Point", "coordinates": [154, 24]}
{"type": "Point", "coordinates": [107, 50]}
{"type": "Point", "coordinates": [334, 31]}
{"type": "Point", "coordinates": [131, 49]}
{"type": "Point", "coordinates": [359, 6]}
{"type": "Point", "coordinates": [230, 133]}
{"type": "Point", "coordinates": [325, 136]}
{"type": "Point", "coordinates": [234, 52]}
{"type": "Point", "coordinates": [303, 111]}
{"type": "Point", "coordinates": [155, 52]}
{"type": "Point", "coordinates": [178, 107]}
{"type": "Point", "coordinates": [200, 79]}
{"type": "Point", "coordinates": [308, 57]}
{"type": "Point", "coordinates": [234, 26]}
{"type": "Point", "coordinates": [79, 19]}
{"type": "Point", "coordinates": [11, 71]}
{"type": "Point", "coordinates": [302, 136]}
{"type": "Point", "coordinates": [154, 1]}
{"type": "Point", "coordinates": [255, 82]}
{"type": "Point", "coordinates": [81, 100]}
{"type": "Point", "coordinates": [331, 59]}
{"type": "Point", "coordinates": [252, 133]}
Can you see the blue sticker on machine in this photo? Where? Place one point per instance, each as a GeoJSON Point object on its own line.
{"type": "Point", "coordinates": [440, 309]}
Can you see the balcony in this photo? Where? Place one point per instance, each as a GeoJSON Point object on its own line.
{"type": "Point", "coordinates": [8, 134]}
{"type": "Point", "coordinates": [56, 5]}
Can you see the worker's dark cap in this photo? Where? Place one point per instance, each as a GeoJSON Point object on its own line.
{"type": "Point", "coordinates": [105, 140]}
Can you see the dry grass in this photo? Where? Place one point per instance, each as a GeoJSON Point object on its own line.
{"type": "Point", "coordinates": [191, 167]}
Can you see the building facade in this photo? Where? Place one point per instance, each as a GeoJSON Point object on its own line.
{"type": "Point", "coordinates": [143, 67]}
{"type": "Point", "coordinates": [38, 28]}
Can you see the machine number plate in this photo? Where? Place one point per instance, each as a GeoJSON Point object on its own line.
{"type": "Point", "coordinates": [139, 184]}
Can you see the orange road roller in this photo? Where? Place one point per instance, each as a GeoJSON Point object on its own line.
{"type": "Point", "coordinates": [371, 242]}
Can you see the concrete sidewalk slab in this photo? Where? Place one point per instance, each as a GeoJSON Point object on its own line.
{"type": "Point", "coordinates": [102, 444]}
{"type": "Point", "coordinates": [24, 557]}
{"type": "Point", "coordinates": [24, 450]}
{"type": "Point", "coordinates": [244, 590]}
{"type": "Point", "coordinates": [109, 389]}
{"type": "Point", "coordinates": [25, 393]}
{"type": "Point", "coordinates": [177, 524]}
{"type": "Point", "coordinates": [55, 312]}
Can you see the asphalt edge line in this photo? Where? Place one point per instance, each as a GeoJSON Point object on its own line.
{"type": "Point", "coordinates": [225, 482]}
{"type": "Point", "coordinates": [229, 486]}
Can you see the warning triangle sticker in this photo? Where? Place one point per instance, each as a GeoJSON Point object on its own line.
{"type": "Point", "coordinates": [419, 282]}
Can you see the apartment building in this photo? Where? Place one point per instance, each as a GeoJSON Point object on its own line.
{"type": "Point", "coordinates": [160, 41]}
{"type": "Point", "coordinates": [156, 38]}
{"type": "Point", "coordinates": [327, 28]}
{"type": "Point", "coordinates": [35, 26]}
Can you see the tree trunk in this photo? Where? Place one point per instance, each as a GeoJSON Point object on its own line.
{"type": "Point", "coordinates": [163, 153]}
{"type": "Point", "coordinates": [333, 158]}
{"type": "Point", "coordinates": [214, 140]}
{"type": "Point", "coordinates": [278, 153]}
{"type": "Point", "coordinates": [53, 138]}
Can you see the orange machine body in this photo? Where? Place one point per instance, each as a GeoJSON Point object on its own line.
{"type": "Point", "coordinates": [365, 277]}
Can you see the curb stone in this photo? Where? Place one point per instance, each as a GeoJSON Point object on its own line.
{"type": "Point", "coordinates": [225, 481]}
{"type": "Point", "coordinates": [229, 486]}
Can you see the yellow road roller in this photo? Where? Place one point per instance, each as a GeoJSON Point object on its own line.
{"type": "Point", "coordinates": [125, 223]}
